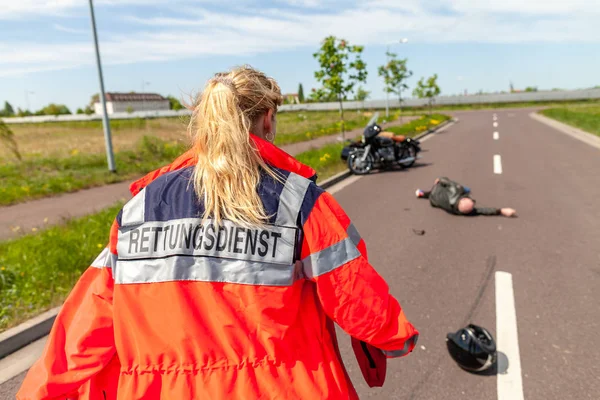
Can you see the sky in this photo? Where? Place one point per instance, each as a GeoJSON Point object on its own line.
{"type": "Point", "coordinates": [172, 47]}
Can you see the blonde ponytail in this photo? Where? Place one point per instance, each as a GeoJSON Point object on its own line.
{"type": "Point", "coordinates": [229, 166]}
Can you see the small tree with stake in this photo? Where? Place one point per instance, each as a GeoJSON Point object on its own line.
{"type": "Point", "coordinates": [394, 74]}
{"type": "Point", "coordinates": [428, 89]}
{"type": "Point", "coordinates": [340, 69]}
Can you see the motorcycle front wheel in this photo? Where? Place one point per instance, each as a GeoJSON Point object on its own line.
{"type": "Point", "coordinates": [359, 167]}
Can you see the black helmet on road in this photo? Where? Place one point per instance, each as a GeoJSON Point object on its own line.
{"type": "Point", "coordinates": [473, 348]}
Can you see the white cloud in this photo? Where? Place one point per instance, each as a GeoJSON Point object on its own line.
{"type": "Point", "coordinates": [63, 28]}
{"type": "Point", "coordinates": [375, 22]}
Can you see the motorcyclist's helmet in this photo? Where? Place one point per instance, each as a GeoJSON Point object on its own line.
{"type": "Point", "coordinates": [473, 348]}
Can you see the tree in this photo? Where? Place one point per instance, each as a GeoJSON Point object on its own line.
{"type": "Point", "coordinates": [129, 110]}
{"type": "Point", "coordinates": [54, 109]}
{"type": "Point", "coordinates": [23, 113]}
{"type": "Point", "coordinates": [394, 74]}
{"type": "Point", "coordinates": [427, 89]}
{"type": "Point", "coordinates": [338, 72]}
{"type": "Point", "coordinates": [174, 104]}
{"type": "Point", "coordinates": [531, 89]}
{"type": "Point", "coordinates": [300, 93]}
{"type": "Point", "coordinates": [8, 110]}
{"type": "Point", "coordinates": [80, 111]}
{"type": "Point", "coordinates": [361, 94]}
{"type": "Point", "coordinates": [93, 100]}
{"type": "Point", "coordinates": [320, 96]}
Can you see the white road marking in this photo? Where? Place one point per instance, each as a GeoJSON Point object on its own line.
{"type": "Point", "coordinates": [510, 381]}
{"type": "Point", "coordinates": [497, 164]}
{"type": "Point", "coordinates": [496, 136]}
{"type": "Point", "coordinates": [495, 118]}
{"type": "Point", "coordinates": [495, 124]}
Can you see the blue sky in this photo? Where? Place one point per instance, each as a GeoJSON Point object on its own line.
{"type": "Point", "coordinates": [176, 45]}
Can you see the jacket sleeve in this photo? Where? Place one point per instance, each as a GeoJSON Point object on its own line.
{"type": "Point", "coordinates": [351, 292]}
{"type": "Point", "coordinates": [81, 342]}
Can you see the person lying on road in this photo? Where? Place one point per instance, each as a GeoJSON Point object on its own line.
{"type": "Point", "coordinates": [455, 199]}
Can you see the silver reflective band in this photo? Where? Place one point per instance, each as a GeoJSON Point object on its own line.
{"type": "Point", "coordinates": [407, 345]}
{"type": "Point", "coordinates": [291, 199]}
{"type": "Point", "coordinates": [353, 234]}
{"type": "Point", "coordinates": [204, 269]}
{"type": "Point", "coordinates": [192, 237]}
{"type": "Point", "coordinates": [135, 209]}
{"type": "Point", "coordinates": [105, 259]}
{"type": "Point", "coordinates": [327, 260]}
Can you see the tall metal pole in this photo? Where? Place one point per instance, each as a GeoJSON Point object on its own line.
{"type": "Point", "coordinates": [105, 123]}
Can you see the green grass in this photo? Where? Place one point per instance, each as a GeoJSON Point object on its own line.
{"type": "Point", "coordinates": [38, 271]}
{"type": "Point", "coordinates": [43, 177]}
{"type": "Point", "coordinates": [47, 175]}
{"type": "Point", "coordinates": [420, 125]}
{"type": "Point", "coordinates": [325, 160]}
{"type": "Point", "coordinates": [63, 139]}
{"type": "Point", "coordinates": [586, 118]}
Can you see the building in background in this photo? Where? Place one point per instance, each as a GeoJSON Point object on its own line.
{"type": "Point", "coordinates": [290, 98]}
{"type": "Point", "coordinates": [131, 102]}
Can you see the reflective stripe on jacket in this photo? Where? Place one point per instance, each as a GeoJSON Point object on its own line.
{"type": "Point", "coordinates": [198, 311]}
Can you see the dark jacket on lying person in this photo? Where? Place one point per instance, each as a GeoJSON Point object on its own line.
{"type": "Point", "coordinates": [445, 194]}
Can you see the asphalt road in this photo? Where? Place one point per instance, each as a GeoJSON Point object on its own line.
{"type": "Point", "coordinates": [445, 278]}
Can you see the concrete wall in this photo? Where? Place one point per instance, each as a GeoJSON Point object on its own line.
{"type": "Point", "coordinates": [350, 105]}
{"type": "Point", "coordinates": [123, 106]}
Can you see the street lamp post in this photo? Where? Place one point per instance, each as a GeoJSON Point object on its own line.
{"type": "Point", "coordinates": [105, 123]}
{"type": "Point", "coordinates": [387, 94]}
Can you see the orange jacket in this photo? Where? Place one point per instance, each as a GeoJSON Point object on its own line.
{"type": "Point", "coordinates": [189, 320]}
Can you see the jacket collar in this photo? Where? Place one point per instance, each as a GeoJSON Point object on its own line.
{"type": "Point", "coordinates": [270, 153]}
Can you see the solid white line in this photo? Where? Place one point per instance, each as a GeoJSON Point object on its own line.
{"type": "Point", "coordinates": [497, 164]}
{"type": "Point", "coordinates": [495, 124]}
{"type": "Point", "coordinates": [510, 381]}
{"type": "Point", "coordinates": [496, 136]}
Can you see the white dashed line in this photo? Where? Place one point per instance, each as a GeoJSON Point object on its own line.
{"type": "Point", "coordinates": [495, 124]}
{"type": "Point", "coordinates": [496, 136]}
{"type": "Point", "coordinates": [510, 381]}
{"type": "Point", "coordinates": [495, 118]}
{"type": "Point", "coordinates": [497, 164]}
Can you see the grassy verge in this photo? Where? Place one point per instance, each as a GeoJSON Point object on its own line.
{"type": "Point", "coordinates": [44, 177]}
{"type": "Point", "coordinates": [420, 125]}
{"type": "Point", "coordinates": [586, 118]}
{"type": "Point", "coordinates": [325, 160]}
{"type": "Point", "coordinates": [62, 139]}
{"type": "Point", "coordinates": [38, 271]}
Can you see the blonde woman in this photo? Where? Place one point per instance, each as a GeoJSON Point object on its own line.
{"type": "Point", "coordinates": [222, 275]}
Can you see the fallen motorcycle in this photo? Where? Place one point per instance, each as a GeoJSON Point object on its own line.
{"type": "Point", "coordinates": [373, 151]}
